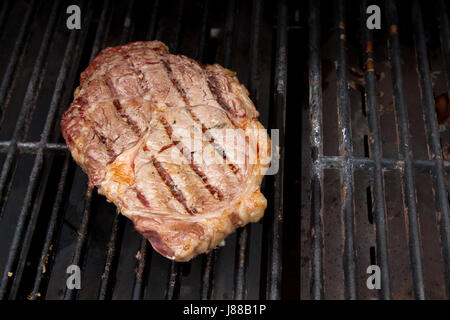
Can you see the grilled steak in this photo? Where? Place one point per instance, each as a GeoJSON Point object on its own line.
{"type": "Point", "coordinates": [175, 145]}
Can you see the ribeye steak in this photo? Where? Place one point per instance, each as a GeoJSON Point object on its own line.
{"type": "Point", "coordinates": [175, 145]}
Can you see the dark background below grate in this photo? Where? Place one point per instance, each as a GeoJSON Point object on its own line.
{"type": "Point", "coordinates": [50, 220]}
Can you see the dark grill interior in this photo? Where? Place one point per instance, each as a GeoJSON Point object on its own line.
{"type": "Point", "coordinates": [364, 169]}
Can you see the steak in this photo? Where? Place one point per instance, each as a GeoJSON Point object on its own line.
{"type": "Point", "coordinates": [174, 144]}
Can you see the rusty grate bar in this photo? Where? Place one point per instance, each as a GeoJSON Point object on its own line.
{"type": "Point", "coordinates": [345, 149]}
{"type": "Point", "coordinates": [432, 132]}
{"type": "Point", "coordinates": [346, 163]}
{"type": "Point", "coordinates": [139, 283]}
{"type": "Point", "coordinates": [408, 169]}
{"type": "Point", "coordinates": [274, 273]}
{"type": "Point", "coordinates": [359, 163]}
{"type": "Point", "coordinates": [315, 107]}
{"type": "Point", "coordinates": [444, 26]}
{"type": "Point", "coordinates": [445, 43]}
{"type": "Point", "coordinates": [327, 162]}
{"type": "Point", "coordinates": [379, 209]}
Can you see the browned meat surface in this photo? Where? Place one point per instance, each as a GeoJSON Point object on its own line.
{"type": "Point", "coordinates": [175, 145]}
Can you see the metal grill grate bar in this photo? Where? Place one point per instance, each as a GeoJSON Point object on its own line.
{"type": "Point", "coordinates": [38, 162]}
{"type": "Point", "coordinates": [274, 274]}
{"type": "Point", "coordinates": [3, 13]}
{"type": "Point", "coordinates": [433, 138]}
{"type": "Point", "coordinates": [33, 147]}
{"type": "Point", "coordinates": [102, 29]}
{"type": "Point", "coordinates": [138, 289]}
{"type": "Point", "coordinates": [207, 284]}
{"type": "Point", "coordinates": [47, 253]}
{"type": "Point", "coordinates": [82, 235]}
{"type": "Point", "coordinates": [71, 56]}
{"type": "Point", "coordinates": [347, 163]}
{"type": "Point", "coordinates": [203, 32]}
{"type": "Point", "coordinates": [207, 281]}
{"type": "Point", "coordinates": [23, 39]}
{"type": "Point", "coordinates": [408, 168]}
{"type": "Point", "coordinates": [332, 162]}
{"type": "Point", "coordinates": [345, 149]}
{"type": "Point", "coordinates": [110, 255]}
{"type": "Point", "coordinates": [117, 225]}
{"type": "Point", "coordinates": [315, 107]}
{"type": "Point", "coordinates": [444, 26]}
{"type": "Point", "coordinates": [242, 250]}
{"type": "Point", "coordinates": [327, 162]}
{"type": "Point", "coordinates": [379, 209]}
{"type": "Point", "coordinates": [175, 46]}
{"type": "Point", "coordinates": [28, 103]}
{"type": "Point", "coordinates": [100, 38]}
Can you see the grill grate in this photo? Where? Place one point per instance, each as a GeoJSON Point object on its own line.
{"type": "Point", "coordinates": [376, 164]}
{"type": "Point", "coordinates": [50, 218]}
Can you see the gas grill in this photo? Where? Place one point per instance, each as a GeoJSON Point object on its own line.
{"type": "Point", "coordinates": [363, 169]}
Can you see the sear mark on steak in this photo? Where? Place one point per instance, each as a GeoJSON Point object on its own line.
{"type": "Point", "coordinates": [165, 176]}
{"type": "Point", "coordinates": [188, 155]}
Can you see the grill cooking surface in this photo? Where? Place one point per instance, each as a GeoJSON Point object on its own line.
{"type": "Point", "coordinates": [379, 170]}
{"type": "Point", "coordinates": [363, 170]}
